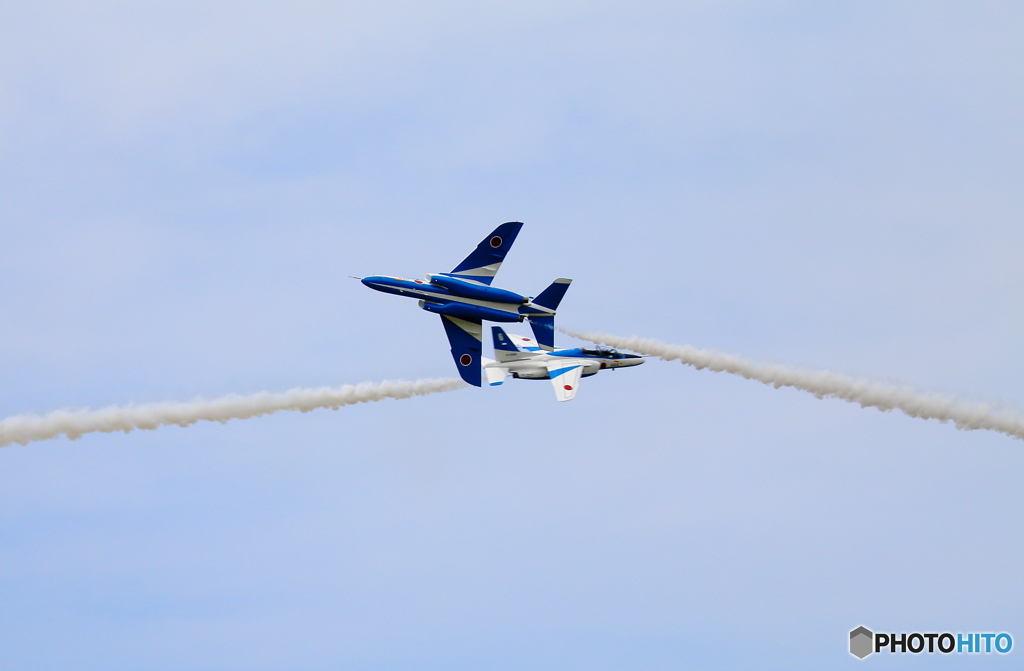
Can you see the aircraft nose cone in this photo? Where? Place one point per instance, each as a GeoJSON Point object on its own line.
{"type": "Point", "coordinates": [633, 360]}
{"type": "Point", "coordinates": [374, 281]}
{"type": "Point", "coordinates": [387, 285]}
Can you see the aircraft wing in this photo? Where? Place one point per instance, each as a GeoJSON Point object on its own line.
{"type": "Point", "coordinates": [465, 337]}
{"type": "Point", "coordinates": [495, 373]}
{"type": "Point", "coordinates": [483, 263]}
{"type": "Point", "coordinates": [565, 377]}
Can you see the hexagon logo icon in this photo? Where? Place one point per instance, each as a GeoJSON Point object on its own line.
{"type": "Point", "coordinates": [861, 642]}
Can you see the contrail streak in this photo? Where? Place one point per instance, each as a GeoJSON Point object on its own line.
{"type": "Point", "coordinates": [24, 429]}
{"type": "Point", "coordinates": [966, 415]}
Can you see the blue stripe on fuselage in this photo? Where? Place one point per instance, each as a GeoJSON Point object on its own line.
{"type": "Point", "coordinates": [575, 352]}
{"type": "Point", "coordinates": [578, 353]}
{"type": "Point", "coordinates": [433, 293]}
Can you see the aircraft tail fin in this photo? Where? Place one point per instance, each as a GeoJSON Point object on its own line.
{"type": "Point", "coordinates": [504, 345]}
{"type": "Point", "coordinates": [552, 296]}
{"type": "Point", "coordinates": [549, 299]}
{"type": "Point", "coordinates": [544, 331]}
{"type": "Point", "coordinates": [507, 346]}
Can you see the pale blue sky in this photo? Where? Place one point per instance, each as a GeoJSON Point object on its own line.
{"type": "Point", "coordinates": [184, 192]}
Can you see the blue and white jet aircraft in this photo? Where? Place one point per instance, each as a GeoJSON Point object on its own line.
{"type": "Point", "coordinates": [464, 298]}
{"type": "Point", "coordinates": [564, 367]}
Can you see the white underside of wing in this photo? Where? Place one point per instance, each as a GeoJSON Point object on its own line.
{"type": "Point", "coordinates": [495, 373]}
{"type": "Point", "coordinates": [565, 377]}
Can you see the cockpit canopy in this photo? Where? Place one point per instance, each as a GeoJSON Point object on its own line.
{"type": "Point", "coordinates": [604, 352]}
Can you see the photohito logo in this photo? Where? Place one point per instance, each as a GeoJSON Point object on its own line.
{"type": "Point", "coordinates": [863, 642]}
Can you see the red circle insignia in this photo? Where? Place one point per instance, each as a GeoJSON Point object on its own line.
{"type": "Point", "coordinates": [568, 387]}
{"type": "Point", "coordinates": [465, 359]}
{"type": "Point", "coordinates": [496, 241]}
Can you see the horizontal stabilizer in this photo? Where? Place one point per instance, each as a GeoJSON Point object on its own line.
{"type": "Point", "coordinates": [495, 373]}
{"type": "Point", "coordinates": [552, 296]}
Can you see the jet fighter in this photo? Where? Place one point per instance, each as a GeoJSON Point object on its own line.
{"type": "Point", "coordinates": [464, 298]}
{"type": "Point", "coordinates": [564, 367]}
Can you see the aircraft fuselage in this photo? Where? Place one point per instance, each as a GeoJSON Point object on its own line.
{"type": "Point", "coordinates": [462, 299]}
{"type": "Point", "coordinates": [524, 359]}
{"type": "Point", "coordinates": [534, 365]}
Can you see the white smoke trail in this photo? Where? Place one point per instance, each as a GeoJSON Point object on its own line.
{"type": "Point", "coordinates": [966, 415]}
{"type": "Point", "coordinates": [23, 429]}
